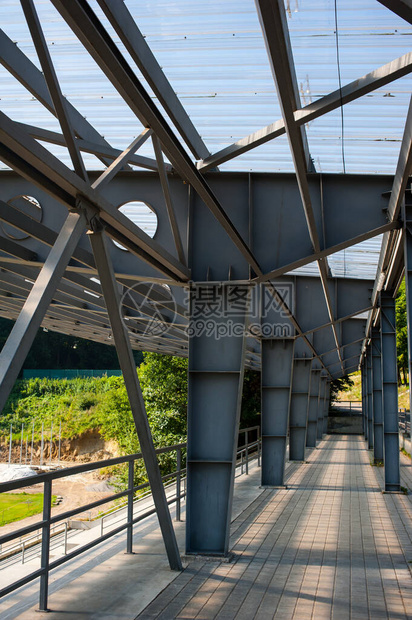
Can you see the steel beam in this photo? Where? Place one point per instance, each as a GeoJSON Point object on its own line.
{"type": "Point", "coordinates": [391, 249]}
{"type": "Point", "coordinates": [272, 16]}
{"type": "Point", "coordinates": [364, 399]}
{"type": "Point", "coordinates": [119, 162]}
{"type": "Point", "coordinates": [21, 337]}
{"type": "Point", "coordinates": [277, 369]}
{"type": "Point", "coordinates": [403, 8]}
{"type": "Point", "coordinates": [59, 102]}
{"type": "Point", "coordinates": [326, 406]}
{"type": "Point", "coordinates": [85, 24]}
{"type": "Point", "coordinates": [26, 72]}
{"type": "Point", "coordinates": [407, 253]}
{"type": "Point", "coordinates": [216, 367]}
{"type": "Point", "coordinates": [321, 407]}
{"type": "Point", "coordinates": [299, 405]}
{"type": "Point", "coordinates": [135, 43]}
{"type": "Point", "coordinates": [168, 200]}
{"type": "Point", "coordinates": [110, 289]}
{"type": "Point", "coordinates": [30, 159]}
{"type": "Point", "coordinates": [350, 92]}
{"type": "Point", "coordinates": [312, 431]}
{"type": "Point", "coordinates": [370, 397]}
{"type": "Point", "coordinates": [390, 392]}
{"type": "Point", "coordinates": [105, 153]}
{"type": "Point", "coordinates": [377, 395]}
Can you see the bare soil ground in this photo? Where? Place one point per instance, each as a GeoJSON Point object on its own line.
{"type": "Point", "coordinates": [76, 491]}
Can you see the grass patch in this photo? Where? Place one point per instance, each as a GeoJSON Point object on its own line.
{"type": "Point", "coordinates": [16, 506]}
{"type": "Point", "coordinates": [405, 453]}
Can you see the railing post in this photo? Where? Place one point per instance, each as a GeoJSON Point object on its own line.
{"type": "Point", "coordinates": [178, 481]}
{"type": "Point", "coordinates": [23, 548]}
{"type": "Point", "coordinates": [45, 546]}
{"type": "Point", "coordinates": [130, 485]}
{"type": "Point", "coordinates": [258, 439]}
{"type": "Point", "coordinates": [247, 451]}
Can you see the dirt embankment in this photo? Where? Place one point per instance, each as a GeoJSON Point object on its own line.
{"type": "Point", "coordinates": [88, 447]}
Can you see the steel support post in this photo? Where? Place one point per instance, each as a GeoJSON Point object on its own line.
{"type": "Point", "coordinates": [326, 406]}
{"type": "Point", "coordinates": [277, 367]}
{"type": "Point", "coordinates": [312, 431]}
{"type": "Point", "coordinates": [369, 397]}
{"type": "Point", "coordinates": [377, 395]}
{"type": "Point", "coordinates": [407, 252]}
{"type": "Point", "coordinates": [21, 337]}
{"type": "Point", "coordinates": [299, 407]}
{"type": "Point", "coordinates": [390, 392]}
{"type": "Point", "coordinates": [321, 407]}
{"type": "Point", "coordinates": [216, 369]}
{"type": "Point", "coordinates": [127, 364]}
{"type": "Point", "coordinates": [364, 400]}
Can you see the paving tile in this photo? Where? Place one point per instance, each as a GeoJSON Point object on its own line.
{"type": "Point", "coordinates": [330, 546]}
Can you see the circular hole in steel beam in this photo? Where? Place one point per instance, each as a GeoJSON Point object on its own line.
{"type": "Point", "coordinates": [141, 214]}
{"type": "Point", "coordinates": [28, 206]}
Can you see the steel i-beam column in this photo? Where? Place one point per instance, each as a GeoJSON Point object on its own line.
{"type": "Point", "coordinates": [364, 400]}
{"type": "Point", "coordinates": [277, 368]}
{"type": "Point", "coordinates": [127, 364]}
{"type": "Point", "coordinates": [312, 432]}
{"type": "Point", "coordinates": [326, 406]}
{"type": "Point", "coordinates": [321, 406]}
{"type": "Point", "coordinates": [407, 252]}
{"type": "Point", "coordinates": [32, 314]}
{"type": "Point", "coordinates": [299, 406]}
{"type": "Point", "coordinates": [369, 397]}
{"type": "Point", "coordinates": [390, 392]}
{"type": "Point", "coordinates": [216, 368]}
{"type": "Point", "coordinates": [377, 395]}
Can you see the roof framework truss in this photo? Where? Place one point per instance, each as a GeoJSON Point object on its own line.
{"type": "Point", "coordinates": [212, 226]}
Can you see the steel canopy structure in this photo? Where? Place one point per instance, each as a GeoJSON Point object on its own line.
{"type": "Point", "coordinates": [156, 246]}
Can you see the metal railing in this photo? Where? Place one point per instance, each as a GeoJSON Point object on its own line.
{"type": "Point", "coordinates": [50, 527]}
{"type": "Point", "coordinates": [405, 422]}
{"type": "Point", "coordinates": [247, 449]}
{"type": "Point", "coordinates": [352, 405]}
{"type": "Point", "coordinates": [48, 521]}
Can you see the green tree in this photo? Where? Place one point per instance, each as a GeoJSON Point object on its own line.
{"type": "Point", "coordinates": [402, 335]}
{"type": "Point", "coordinates": [163, 379]}
{"type": "Point", "coordinates": [343, 384]}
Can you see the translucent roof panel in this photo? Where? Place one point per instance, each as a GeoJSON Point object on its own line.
{"type": "Point", "coordinates": [214, 57]}
{"type": "Point", "coordinates": [358, 261]}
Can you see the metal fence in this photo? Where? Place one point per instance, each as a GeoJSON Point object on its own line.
{"type": "Point", "coordinates": [42, 532]}
{"type": "Point", "coordinates": [30, 451]}
{"type": "Point", "coordinates": [354, 406]}
{"type": "Point", "coordinates": [405, 422]}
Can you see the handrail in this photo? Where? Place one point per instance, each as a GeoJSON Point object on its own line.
{"type": "Point", "coordinates": [47, 526]}
{"type": "Point", "coordinates": [405, 422]}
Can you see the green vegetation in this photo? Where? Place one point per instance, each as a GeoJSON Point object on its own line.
{"type": "Point", "coordinates": [402, 336]}
{"type": "Point", "coordinates": [85, 404]}
{"type": "Point", "coordinates": [354, 392]}
{"type": "Point", "coordinates": [338, 386]}
{"type": "Point", "coordinates": [16, 506]}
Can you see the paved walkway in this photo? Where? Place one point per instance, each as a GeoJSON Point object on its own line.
{"type": "Point", "coordinates": [331, 545]}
